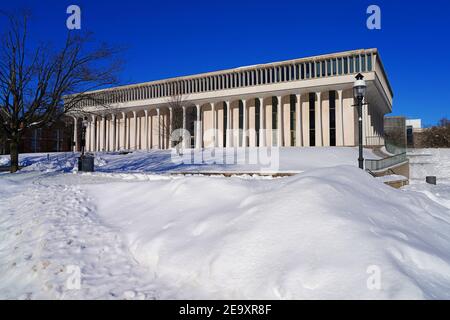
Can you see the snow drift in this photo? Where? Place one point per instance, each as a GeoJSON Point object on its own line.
{"type": "Point", "coordinates": [311, 236]}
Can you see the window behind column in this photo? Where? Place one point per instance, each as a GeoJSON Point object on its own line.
{"type": "Point", "coordinates": [257, 119]}
{"type": "Point", "coordinates": [363, 63]}
{"type": "Point", "coordinates": [332, 99]}
{"type": "Point", "coordinates": [224, 133]}
{"type": "Point", "coordinates": [369, 62]}
{"type": "Point", "coordinates": [274, 120]}
{"type": "Point", "coordinates": [241, 120]}
{"type": "Point", "coordinates": [312, 119]}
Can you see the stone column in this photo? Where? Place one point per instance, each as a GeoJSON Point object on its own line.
{"type": "Point", "coordinates": [319, 139]}
{"type": "Point", "coordinates": [228, 132]}
{"type": "Point", "coordinates": [262, 136]}
{"type": "Point", "coordinates": [113, 135]}
{"type": "Point", "coordinates": [88, 137]}
{"type": "Point", "coordinates": [170, 126]}
{"type": "Point", "coordinates": [365, 122]}
{"type": "Point", "coordinates": [280, 122]}
{"type": "Point", "coordinates": [214, 125]}
{"type": "Point", "coordinates": [339, 120]}
{"type": "Point", "coordinates": [146, 129]}
{"type": "Point", "coordinates": [244, 124]}
{"type": "Point", "coordinates": [129, 133]}
{"type": "Point", "coordinates": [305, 121]}
{"type": "Point", "coordinates": [135, 130]}
{"type": "Point", "coordinates": [198, 131]}
{"type": "Point", "coordinates": [94, 134]}
{"type": "Point", "coordinates": [108, 134]}
{"type": "Point", "coordinates": [124, 116]}
{"type": "Point", "coordinates": [75, 134]}
{"type": "Point", "coordinates": [185, 143]}
{"type": "Point", "coordinates": [158, 115]}
{"type": "Point", "coordinates": [103, 134]}
{"type": "Point", "coordinates": [298, 121]}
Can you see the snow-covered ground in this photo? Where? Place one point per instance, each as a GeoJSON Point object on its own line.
{"type": "Point", "coordinates": [133, 231]}
{"type": "Point", "coordinates": [429, 162]}
{"type": "Point", "coordinates": [163, 161]}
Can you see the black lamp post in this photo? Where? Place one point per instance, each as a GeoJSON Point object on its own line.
{"type": "Point", "coordinates": [359, 91]}
{"type": "Point", "coordinates": [85, 161]}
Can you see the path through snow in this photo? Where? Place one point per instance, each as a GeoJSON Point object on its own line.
{"type": "Point", "coordinates": [49, 227]}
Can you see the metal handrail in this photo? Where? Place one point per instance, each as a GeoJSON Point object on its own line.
{"type": "Point", "coordinates": [380, 164]}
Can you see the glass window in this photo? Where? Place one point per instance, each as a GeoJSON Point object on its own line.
{"type": "Point", "coordinates": [334, 67]}
{"type": "Point", "coordinates": [328, 67]}
{"type": "Point", "coordinates": [257, 120]}
{"type": "Point", "coordinates": [332, 99]}
{"type": "Point", "coordinates": [241, 121]}
{"type": "Point", "coordinates": [307, 70]}
{"type": "Point", "coordinates": [363, 63]}
{"type": "Point", "coordinates": [274, 112]}
{"type": "Point", "coordinates": [317, 69]}
{"type": "Point", "coordinates": [369, 62]}
{"type": "Point", "coordinates": [357, 65]}
{"type": "Point", "coordinates": [339, 62]}
{"type": "Point", "coordinates": [345, 65]}
{"type": "Point", "coordinates": [224, 124]}
{"type": "Point", "coordinates": [312, 119]}
{"type": "Point", "coordinates": [302, 72]}
{"type": "Point", "coordinates": [323, 68]}
{"type": "Point", "coordinates": [352, 67]}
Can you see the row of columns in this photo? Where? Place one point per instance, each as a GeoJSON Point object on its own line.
{"type": "Point", "coordinates": [92, 140]}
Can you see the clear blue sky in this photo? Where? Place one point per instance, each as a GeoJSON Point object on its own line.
{"type": "Point", "coordinates": [173, 38]}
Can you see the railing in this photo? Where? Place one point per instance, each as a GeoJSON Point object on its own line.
{"type": "Point", "coordinates": [332, 65]}
{"type": "Point", "coordinates": [394, 149]}
{"type": "Point", "coordinates": [375, 165]}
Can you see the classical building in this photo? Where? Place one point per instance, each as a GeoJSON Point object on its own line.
{"type": "Point", "coordinates": [301, 102]}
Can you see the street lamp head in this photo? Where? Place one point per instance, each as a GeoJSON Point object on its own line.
{"type": "Point", "coordinates": [359, 87]}
{"type": "Point", "coordinates": [85, 122]}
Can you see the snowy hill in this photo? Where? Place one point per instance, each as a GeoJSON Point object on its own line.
{"type": "Point", "coordinates": [328, 232]}
{"type": "Point", "coordinates": [312, 236]}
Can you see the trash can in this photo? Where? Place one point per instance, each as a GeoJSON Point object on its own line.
{"type": "Point", "coordinates": [86, 163]}
{"type": "Point", "coordinates": [431, 180]}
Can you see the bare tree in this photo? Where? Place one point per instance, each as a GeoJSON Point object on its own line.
{"type": "Point", "coordinates": [437, 136]}
{"type": "Point", "coordinates": [38, 85]}
{"type": "Point", "coordinates": [176, 103]}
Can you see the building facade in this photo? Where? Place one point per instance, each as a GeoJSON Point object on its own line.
{"type": "Point", "coordinates": [55, 138]}
{"type": "Point", "coordinates": [304, 102]}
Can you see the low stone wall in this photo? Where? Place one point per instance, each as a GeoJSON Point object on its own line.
{"type": "Point", "coordinates": [401, 169]}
